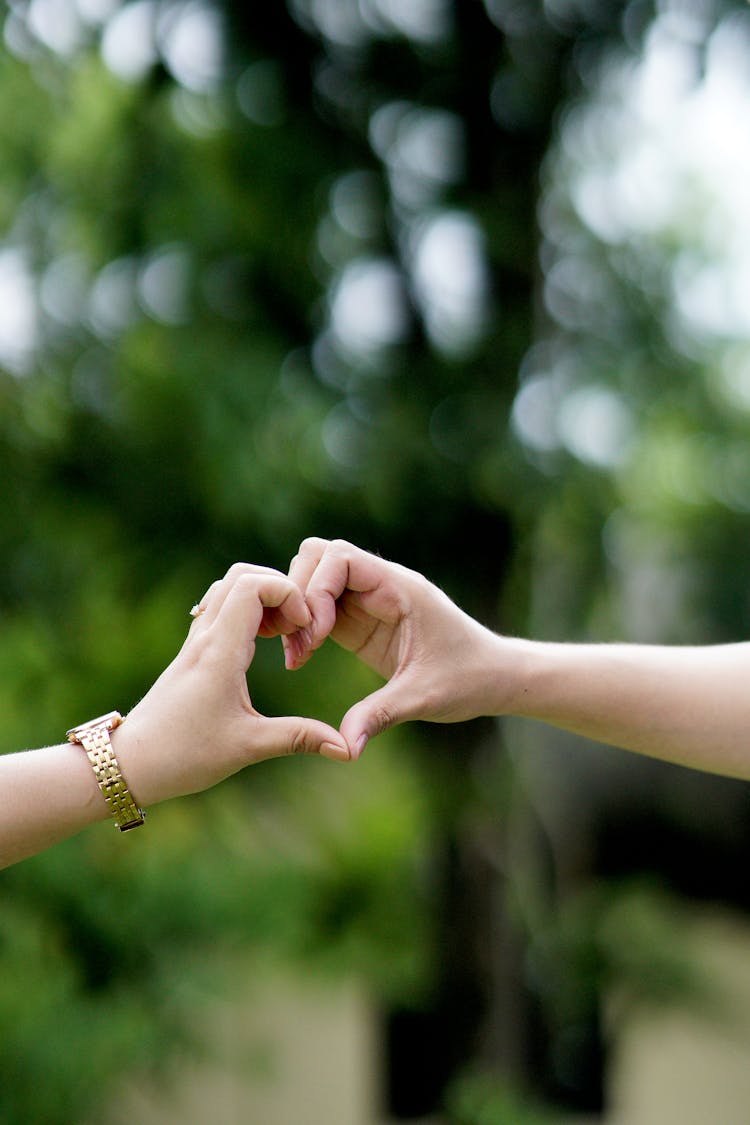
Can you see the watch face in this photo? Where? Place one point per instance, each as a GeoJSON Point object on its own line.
{"type": "Point", "coordinates": [111, 720]}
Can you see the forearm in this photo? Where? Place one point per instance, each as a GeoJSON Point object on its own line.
{"type": "Point", "coordinates": [685, 705]}
{"type": "Point", "coordinates": [45, 796]}
{"type": "Point", "coordinates": [50, 794]}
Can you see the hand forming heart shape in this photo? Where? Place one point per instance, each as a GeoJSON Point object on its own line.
{"type": "Point", "coordinates": [433, 657]}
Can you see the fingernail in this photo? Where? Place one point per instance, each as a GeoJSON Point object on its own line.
{"type": "Point", "coordinates": [303, 619]}
{"type": "Point", "coordinates": [361, 743]}
{"type": "Point", "coordinates": [293, 649]}
{"type": "Point", "coordinates": [336, 753]}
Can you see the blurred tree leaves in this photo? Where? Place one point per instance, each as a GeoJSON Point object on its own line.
{"type": "Point", "coordinates": [293, 295]}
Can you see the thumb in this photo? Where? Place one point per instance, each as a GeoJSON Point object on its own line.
{"type": "Point", "coordinates": [373, 715]}
{"type": "Point", "coordinates": [295, 735]}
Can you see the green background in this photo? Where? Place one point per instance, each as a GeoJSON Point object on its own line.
{"type": "Point", "coordinates": [187, 396]}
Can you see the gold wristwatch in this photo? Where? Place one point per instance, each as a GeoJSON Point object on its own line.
{"type": "Point", "coordinates": [94, 738]}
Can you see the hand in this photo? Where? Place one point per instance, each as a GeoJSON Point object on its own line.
{"type": "Point", "coordinates": [437, 660]}
{"type": "Point", "coordinates": [197, 724]}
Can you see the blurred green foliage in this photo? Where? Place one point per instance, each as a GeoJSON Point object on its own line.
{"type": "Point", "coordinates": [484, 1100]}
{"type": "Point", "coordinates": [299, 287]}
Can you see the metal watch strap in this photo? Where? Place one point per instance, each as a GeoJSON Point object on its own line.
{"type": "Point", "coordinates": [94, 738]}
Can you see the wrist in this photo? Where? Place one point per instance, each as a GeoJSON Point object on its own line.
{"type": "Point", "coordinates": [514, 669]}
{"type": "Point", "coordinates": [131, 748]}
{"type": "Point", "coordinates": [94, 737]}
{"type": "Point", "coordinates": [545, 678]}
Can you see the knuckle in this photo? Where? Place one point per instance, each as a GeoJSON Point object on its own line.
{"type": "Point", "coordinates": [205, 653]}
{"type": "Point", "coordinates": [237, 569]}
{"type": "Point", "coordinates": [300, 741]}
{"type": "Point", "coordinates": [236, 572]}
{"type": "Point", "coordinates": [313, 544]}
{"type": "Point", "coordinates": [247, 583]}
{"type": "Point", "coordinates": [341, 547]}
{"type": "Point", "coordinates": [383, 719]}
{"type": "Point", "coordinates": [420, 582]}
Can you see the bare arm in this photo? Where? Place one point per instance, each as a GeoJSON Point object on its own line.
{"type": "Point", "coordinates": [45, 795]}
{"type": "Point", "coordinates": [685, 705]}
{"type": "Point", "coordinates": [196, 725]}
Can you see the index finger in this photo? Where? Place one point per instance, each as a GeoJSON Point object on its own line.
{"type": "Point", "coordinates": [299, 647]}
{"type": "Point", "coordinates": [239, 618]}
{"type": "Point", "coordinates": [305, 562]}
{"type": "Point", "coordinates": [205, 612]}
{"type": "Point", "coordinates": [326, 575]}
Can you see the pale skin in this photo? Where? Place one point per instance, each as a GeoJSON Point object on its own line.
{"type": "Point", "coordinates": [196, 725]}
{"type": "Point", "coordinates": [688, 705]}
